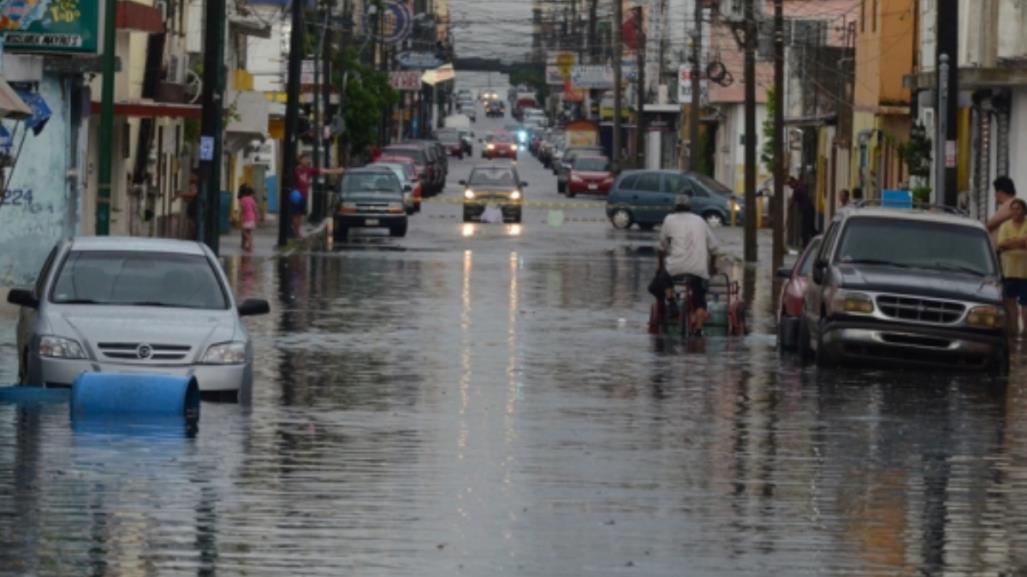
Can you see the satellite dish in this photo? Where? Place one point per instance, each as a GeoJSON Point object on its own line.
{"type": "Point", "coordinates": [193, 86]}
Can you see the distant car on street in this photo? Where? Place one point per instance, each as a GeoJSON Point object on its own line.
{"type": "Point", "coordinates": [646, 197]}
{"type": "Point", "coordinates": [370, 197]}
{"type": "Point", "coordinates": [907, 288]}
{"type": "Point", "coordinates": [793, 295]}
{"type": "Point", "coordinates": [566, 161]}
{"type": "Point", "coordinates": [450, 138]}
{"type": "Point", "coordinates": [499, 145]}
{"type": "Point", "coordinates": [497, 185]}
{"type": "Point", "coordinates": [133, 305]}
{"type": "Point", "coordinates": [590, 175]}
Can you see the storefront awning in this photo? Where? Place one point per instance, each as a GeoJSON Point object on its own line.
{"type": "Point", "coordinates": [11, 105]}
{"type": "Point", "coordinates": [149, 109]}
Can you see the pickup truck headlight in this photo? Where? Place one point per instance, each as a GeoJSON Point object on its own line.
{"type": "Point", "coordinates": [515, 195]}
{"type": "Point", "coordinates": [852, 303]}
{"type": "Point", "coordinates": [60, 348]}
{"type": "Point", "coordinates": [469, 194]}
{"type": "Point", "coordinates": [231, 353]}
{"type": "Point", "coordinates": [986, 317]}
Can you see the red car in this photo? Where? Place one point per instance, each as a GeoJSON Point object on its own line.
{"type": "Point", "coordinates": [793, 296]}
{"type": "Point", "coordinates": [590, 175]}
{"type": "Point", "coordinates": [452, 141]}
{"type": "Point", "coordinates": [500, 146]}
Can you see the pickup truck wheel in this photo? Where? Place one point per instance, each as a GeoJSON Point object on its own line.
{"type": "Point", "coordinates": [805, 352]}
{"type": "Point", "coordinates": [1000, 363]}
{"type": "Point", "coordinates": [823, 358]}
{"type": "Point", "coordinates": [399, 230]}
{"type": "Point", "coordinates": [340, 233]}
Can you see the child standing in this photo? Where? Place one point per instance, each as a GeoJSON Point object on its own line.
{"type": "Point", "coordinates": [248, 215]}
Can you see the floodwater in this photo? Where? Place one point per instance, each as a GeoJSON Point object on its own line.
{"type": "Point", "coordinates": [486, 401]}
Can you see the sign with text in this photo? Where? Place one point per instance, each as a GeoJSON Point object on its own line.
{"type": "Point", "coordinates": [553, 76]}
{"type": "Point", "coordinates": [406, 80]}
{"type": "Point", "coordinates": [419, 60]}
{"type": "Point", "coordinates": [53, 26]}
{"type": "Point", "coordinates": [685, 87]}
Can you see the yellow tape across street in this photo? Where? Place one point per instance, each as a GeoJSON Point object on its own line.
{"type": "Point", "coordinates": [591, 205]}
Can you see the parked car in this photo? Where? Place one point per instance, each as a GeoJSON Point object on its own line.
{"type": "Point", "coordinates": [793, 295]}
{"type": "Point", "coordinates": [452, 141]}
{"type": "Point", "coordinates": [429, 168]}
{"type": "Point", "coordinates": [646, 197]}
{"type": "Point", "coordinates": [499, 145]}
{"type": "Point", "coordinates": [495, 109]}
{"type": "Point", "coordinates": [590, 175]}
{"type": "Point", "coordinates": [412, 192]}
{"type": "Point", "coordinates": [370, 197]}
{"type": "Point", "coordinates": [563, 167]}
{"type": "Point", "coordinates": [497, 185]}
{"type": "Point", "coordinates": [905, 287]}
{"type": "Point", "coordinates": [129, 305]}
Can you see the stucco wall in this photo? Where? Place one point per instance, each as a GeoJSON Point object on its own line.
{"type": "Point", "coordinates": [37, 211]}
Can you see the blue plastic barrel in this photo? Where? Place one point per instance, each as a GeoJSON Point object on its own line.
{"type": "Point", "coordinates": [137, 395]}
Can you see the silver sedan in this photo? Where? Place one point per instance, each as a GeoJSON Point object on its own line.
{"type": "Point", "coordinates": [131, 305]}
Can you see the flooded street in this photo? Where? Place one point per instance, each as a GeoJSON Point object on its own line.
{"type": "Point", "coordinates": [485, 400]}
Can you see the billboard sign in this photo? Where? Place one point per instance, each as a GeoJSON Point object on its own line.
{"type": "Point", "coordinates": [51, 26]}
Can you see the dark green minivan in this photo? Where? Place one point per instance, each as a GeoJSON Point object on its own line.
{"type": "Point", "coordinates": [645, 197]}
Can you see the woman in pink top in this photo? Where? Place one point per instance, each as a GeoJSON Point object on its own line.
{"type": "Point", "coordinates": [248, 215]}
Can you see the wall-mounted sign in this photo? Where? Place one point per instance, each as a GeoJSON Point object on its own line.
{"type": "Point", "coordinates": [685, 87]}
{"type": "Point", "coordinates": [396, 26]}
{"type": "Point", "coordinates": [55, 26]}
{"type": "Point", "coordinates": [418, 60]}
{"type": "Point", "coordinates": [405, 80]}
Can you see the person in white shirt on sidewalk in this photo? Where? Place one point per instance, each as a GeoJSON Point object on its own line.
{"type": "Point", "coordinates": [688, 248]}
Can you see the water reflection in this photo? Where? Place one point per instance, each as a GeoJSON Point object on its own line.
{"type": "Point", "coordinates": [501, 410]}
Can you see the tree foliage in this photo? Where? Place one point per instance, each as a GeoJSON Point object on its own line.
{"type": "Point", "coordinates": [369, 95]}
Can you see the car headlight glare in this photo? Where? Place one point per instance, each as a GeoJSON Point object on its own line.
{"type": "Point", "coordinates": [490, 147]}
{"type": "Point", "coordinates": [469, 194]}
{"type": "Point", "coordinates": [986, 317]}
{"type": "Point", "coordinates": [60, 348]}
{"type": "Point", "coordinates": [231, 353]}
{"type": "Point", "coordinates": [853, 303]}
{"type": "Point", "coordinates": [515, 195]}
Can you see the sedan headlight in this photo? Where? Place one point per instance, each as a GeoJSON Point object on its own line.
{"type": "Point", "coordinates": [515, 195]}
{"type": "Point", "coordinates": [469, 194]}
{"type": "Point", "coordinates": [490, 147]}
{"type": "Point", "coordinates": [60, 348]}
{"type": "Point", "coordinates": [852, 303]}
{"type": "Point", "coordinates": [232, 353]}
{"type": "Point", "coordinates": [986, 317]}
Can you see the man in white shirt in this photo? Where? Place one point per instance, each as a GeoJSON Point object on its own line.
{"type": "Point", "coordinates": [687, 247]}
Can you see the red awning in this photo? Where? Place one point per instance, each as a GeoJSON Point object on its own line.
{"type": "Point", "coordinates": [137, 17]}
{"type": "Point", "coordinates": [152, 109]}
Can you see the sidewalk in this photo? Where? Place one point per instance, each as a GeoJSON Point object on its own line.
{"type": "Point", "coordinates": [265, 240]}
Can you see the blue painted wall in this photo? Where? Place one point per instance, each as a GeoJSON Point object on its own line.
{"type": "Point", "coordinates": [39, 208]}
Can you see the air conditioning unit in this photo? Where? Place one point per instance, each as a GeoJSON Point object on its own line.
{"type": "Point", "coordinates": [176, 69]}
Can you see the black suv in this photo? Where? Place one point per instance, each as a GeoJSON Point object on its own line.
{"type": "Point", "coordinates": [906, 287]}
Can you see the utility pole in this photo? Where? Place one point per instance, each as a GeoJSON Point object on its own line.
{"type": "Point", "coordinates": [694, 116]}
{"type": "Point", "coordinates": [326, 90]}
{"type": "Point", "coordinates": [211, 121]}
{"type": "Point", "coordinates": [640, 133]}
{"type": "Point", "coordinates": [750, 131]}
{"type": "Point", "coordinates": [942, 190]}
{"type": "Point", "coordinates": [315, 126]}
{"type": "Point", "coordinates": [778, 205]}
{"type": "Point", "coordinates": [618, 56]}
{"type": "Point", "coordinates": [103, 188]}
{"type": "Point", "coordinates": [948, 44]}
{"type": "Point", "coordinates": [593, 51]}
{"type": "Point", "coordinates": [292, 105]}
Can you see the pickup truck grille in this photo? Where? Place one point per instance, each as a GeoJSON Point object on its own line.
{"type": "Point", "coordinates": [920, 310]}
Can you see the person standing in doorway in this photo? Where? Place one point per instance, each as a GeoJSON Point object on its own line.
{"type": "Point", "coordinates": [805, 210]}
{"type": "Point", "coordinates": [1005, 193]}
{"type": "Point", "coordinates": [248, 215]}
{"type": "Point", "coordinates": [305, 174]}
{"type": "Point", "coordinates": [843, 198]}
{"type": "Point", "coordinates": [1012, 246]}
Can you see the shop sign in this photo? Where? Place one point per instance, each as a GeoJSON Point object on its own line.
{"type": "Point", "coordinates": [52, 26]}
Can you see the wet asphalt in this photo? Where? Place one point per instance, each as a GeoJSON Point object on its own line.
{"type": "Point", "coordinates": [485, 400]}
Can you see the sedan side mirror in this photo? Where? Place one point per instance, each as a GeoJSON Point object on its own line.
{"type": "Point", "coordinates": [819, 269]}
{"type": "Point", "coordinates": [463, 183]}
{"type": "Point", "coordinates": [407, 188]}
{"type": "Point", "coordinates": [23, 298]}
{"type": "Point", "coordinates": [784, 272]}
{"type": "Point", "coordinates": [524, 184]}
{"type": "Point", "coordinates": [253, 307]}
